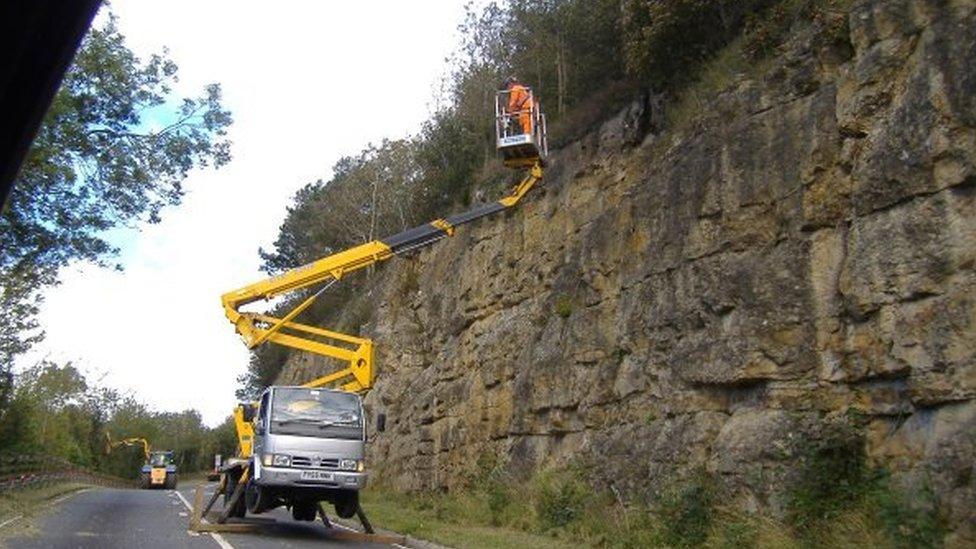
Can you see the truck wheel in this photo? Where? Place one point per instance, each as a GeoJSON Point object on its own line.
{"type": "Point", "coordinates": [144, 481]}
{"type": "Point", "coordinates": [304, 511]}
{"type": "Point", "coordinates": [170, 481]}
{"type": "Point", "coordinates": [347, 505]}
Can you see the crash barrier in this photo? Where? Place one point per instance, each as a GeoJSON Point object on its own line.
{"type": "Point", "coordinates": [30, 471]}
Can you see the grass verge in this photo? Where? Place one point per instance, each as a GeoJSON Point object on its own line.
{"type": "Point", "coordinates": [23, 505]}
{"type": "Point", "coordinates": [834, 497]}
{"type": "Point", "coordinates": [449, 520]}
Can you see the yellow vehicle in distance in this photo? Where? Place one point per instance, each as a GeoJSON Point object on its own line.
{"type": "Point", "coordinates": [159, 468]}
{"type": "Point", "coordinates": [159, 471]}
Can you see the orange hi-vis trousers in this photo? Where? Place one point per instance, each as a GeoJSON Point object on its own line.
{"type": "Point", "coordinates": [525, 119]}
{"type": "Point", "coordinates": [520, 101]}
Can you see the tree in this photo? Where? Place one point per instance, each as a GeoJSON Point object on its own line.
{"type": "Point", "coordinates": [49, 413]}
{"type": "Point", "coordinates": [567, 50]}
{"type": "Point", "coordinates": [370, 196]}
{"type": "Point", "coordinates": [113, 150]}
{"type": "Point", "coordinates": [665, 40]}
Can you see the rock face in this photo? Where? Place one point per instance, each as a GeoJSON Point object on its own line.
{"type": "Point", "coordinates": [705, 297]}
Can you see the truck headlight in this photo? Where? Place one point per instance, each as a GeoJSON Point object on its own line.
{"type": "Point", "coordinates": [351, 465]}
{"type": "Point", "coordinates": [276, 460]}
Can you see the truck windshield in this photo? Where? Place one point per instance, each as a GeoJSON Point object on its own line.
{"type": "Point", "coordinates": [313, 406]}
{"type": "Point", "coordinates": [159, 460]}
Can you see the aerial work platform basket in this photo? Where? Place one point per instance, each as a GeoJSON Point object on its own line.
{"type": "Point", "coordinates": [520, 131]}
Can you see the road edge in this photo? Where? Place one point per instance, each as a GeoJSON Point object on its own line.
{"type": "Point", "coordinates": [221, 540]}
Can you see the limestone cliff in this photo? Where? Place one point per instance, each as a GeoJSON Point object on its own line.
{"type": "Point", "coordinates": [711, 294]}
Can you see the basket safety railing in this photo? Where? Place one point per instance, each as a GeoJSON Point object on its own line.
{"type": "Point", "coordinates": [510, 123]}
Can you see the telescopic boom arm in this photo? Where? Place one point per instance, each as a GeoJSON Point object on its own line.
{"type": "Point", "coordinates": [129, 442]}
{"type": "Point", "coordinates": [357, 352]}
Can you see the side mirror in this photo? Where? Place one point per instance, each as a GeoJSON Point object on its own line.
{"type": "Point", "coordinates": [380, 422]}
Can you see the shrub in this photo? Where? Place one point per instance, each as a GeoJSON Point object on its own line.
{"type": "Point", "coordinates": [491, 480]}
{"type": "Point", "coordinates": [499, 498]}
{"type": "Point", "coordinates": [832, 475]}
{"type": "Point", "coordinates": [908, 520]}
{"type": "Point", "coordinates": [686, 511]}
{"type": "Point", "coordinates": [836, 482]}
{"type": "Point", "coordinates": [560, 497]}
{"type": "Point", "coordinates": [765, 31]}
{"type": "Point", "coordinates": [564, 306]}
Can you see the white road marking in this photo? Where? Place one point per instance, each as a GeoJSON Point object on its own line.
{"type": "Point", "coordinates": [223, 543]}
{"type": "Point", "coordinates": [8, 521]}
{"type": "Point", "coordinates": [71, 495]}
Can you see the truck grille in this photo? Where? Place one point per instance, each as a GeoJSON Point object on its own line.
{"type": "Point", "coordinates": [311, 463]}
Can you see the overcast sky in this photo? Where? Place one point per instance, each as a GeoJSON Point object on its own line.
{"type": "Point", "coordinates": [307, 82]}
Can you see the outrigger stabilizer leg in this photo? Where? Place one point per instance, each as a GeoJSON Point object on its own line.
{"type": "Point", "coordinates": [360, 514]}
{"type": "Point", "coordinates": [198, 522]}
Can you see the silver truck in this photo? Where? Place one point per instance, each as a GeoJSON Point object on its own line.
{"type": "Point", "coordinates": [309, 446]}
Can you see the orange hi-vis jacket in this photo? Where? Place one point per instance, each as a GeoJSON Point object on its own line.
{"type": "Point", "coordinates": [520, 102]}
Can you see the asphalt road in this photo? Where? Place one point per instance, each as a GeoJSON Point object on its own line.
{"type": "Point", "coordinates": [151, 519]}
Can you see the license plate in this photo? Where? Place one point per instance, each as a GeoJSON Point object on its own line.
{"type": "Point", "coordinates": [320, 476]}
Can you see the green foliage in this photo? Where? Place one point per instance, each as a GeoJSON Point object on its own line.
{"type": "Point", "coordinates": [55, 412]}
{"type": "Point", "coordinates": [909, 519]}
{"type": "Point", "coordinates": [766, 30]}
{"type": "Point", "coordinates": [561, 497]}
{"type": "Point", "coordinates": [835, 481]}
{"type": "Point", "coordinates": [686, 511]}
{"type": "Point", "coordinates": [499, 499]}
{"type": "Point", "coordinates": [567, 50]}
{"type": "Point", "coordinates": [113, 149]}
{"type": "Point", "coordinates": [369, 196]}
{"type": "Point", "coordinates": [692, 512]}
{"type": "Point", "coordinates": [583, 58]}
{"type": "Point", "coordinates": [52, 412]}
{"type": "Point", "coordinates": [492, 480]}
{"type": "Point", "coordinates": [734, 533]}
{"type": "Point", "coordinates": [833, 474]}
{"type": "Point", "coordinates": [563, 306]}
{"type": "Point", "coordinates": [665, 40]}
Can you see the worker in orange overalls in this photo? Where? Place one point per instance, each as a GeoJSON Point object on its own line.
{"type": "Point", "coordinates": [520, 102]}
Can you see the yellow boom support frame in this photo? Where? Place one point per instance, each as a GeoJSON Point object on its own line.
{"type": "Point", "coordinates": [357, 353]}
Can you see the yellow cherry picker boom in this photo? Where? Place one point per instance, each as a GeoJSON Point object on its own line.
{"type": "Point", "coordinates": [262, 477]}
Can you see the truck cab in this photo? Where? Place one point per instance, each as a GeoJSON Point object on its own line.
{"type": "Point", "coordinates": [308, 447]}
